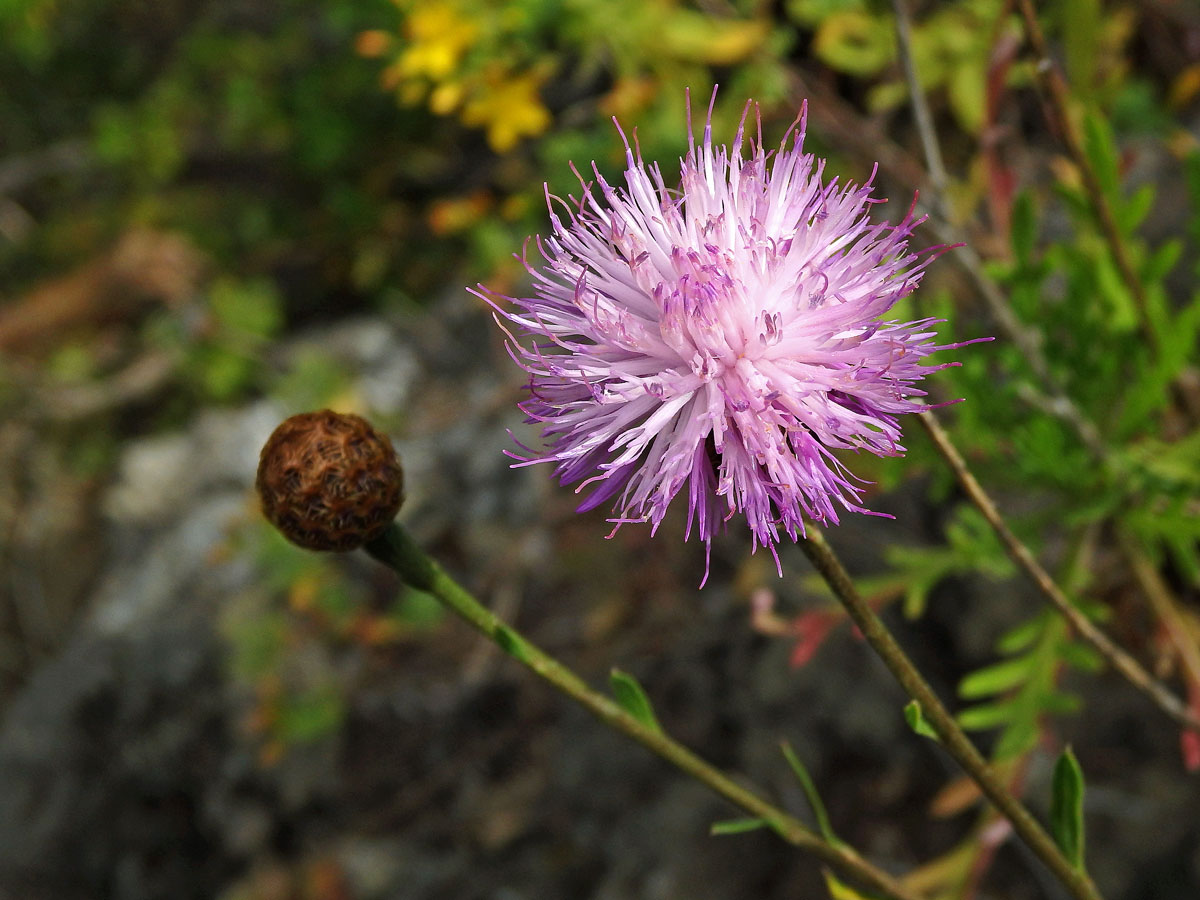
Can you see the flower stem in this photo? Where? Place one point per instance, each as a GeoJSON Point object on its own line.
{"type": "Point", "coordinates": [1121, 661]}
{"type": "Point", "coordinates": [826, 562]}
{"type": "Point", "coordinates": [396, 549]}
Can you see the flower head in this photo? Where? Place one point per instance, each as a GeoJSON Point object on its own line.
{"type": "Point", "coordinates": [329, 481]}
{"type": "Point", "coordinates": [722, 339]}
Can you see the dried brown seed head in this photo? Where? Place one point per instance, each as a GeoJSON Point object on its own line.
{"type": "Point", "coordinates": [329, 481]}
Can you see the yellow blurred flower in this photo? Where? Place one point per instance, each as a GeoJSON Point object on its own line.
{"type": "Point", "coordinates": [439, 35]}
{"type": "Point", "coordinates": [444, 98]}
{"type": "Point", "coordinates": [509, 108]}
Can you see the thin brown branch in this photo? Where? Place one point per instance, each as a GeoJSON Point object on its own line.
{"type": "Point", "coordinates": [843, 124]}
{"type": "Point", "coordinates": [1184, 389]}
{"type": "Point", "coordinates": [924, 120]}
{"type": "Point", "coordinates": [1054, 87]}
{"type": "Point", "coordinates": [1125, 664]}
{"type": "Point", "coordinates": [1164, 605]}
{"type": "Point", "coordinates": [952, 737]}
{"type": "Point", "coordinates": [1058, 405]}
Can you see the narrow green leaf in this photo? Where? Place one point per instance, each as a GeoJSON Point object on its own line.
{"type": "Point", "coordinates": [1066, 808]}
{"type": "Point", "coordinates": [1179, 335]}
{"type": "Point", "coordinates": [737, 826]}
{"type": "Point", "coordinates": [915, 597]}
{"type": "Point", "coordinates": [1122, 313]}
{"type": "Point", "coordinates": [995, 679]}
{"type": "Point", "coordinates": [1022, 637]}
{"type": "Point", "coordinates": [1080, 656]}
{"type": "Point", "coordinates": [631, 698]}
{"type": "Point", "coordinates": [1018, 738]}
{"type": "Point", "coordinates": [916, 721]}
{"type": "Point", "coordinates": [1137, 207]}
{"type": "Point", "coordinates": [1060, 703]}
{"type": "Point", "coordinates": [1100, 149]}
{"type": "Point", "coordinates": [839, 890]}
{"type": "Point", "coordinates": [810, 791]}
{"type": "Point", "coordinates": [1183, 552]}
{"type": "Point", "coordinates": [984, 716]}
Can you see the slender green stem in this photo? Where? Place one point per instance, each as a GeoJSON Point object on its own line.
{"type": "Point", "coordinates": [817, 549]}
{"type": "Point", "coordinates": [1121, 661]}
{"type": "Point", "coordinates": [396, 549]}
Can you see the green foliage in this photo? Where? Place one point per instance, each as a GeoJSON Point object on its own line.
{"type": "Point", "coordinates": [737, 826]}
{"type": "Point", "coordinates": [226, 360]}
{"type": "Point", "coordinates": [310, 715]}
{"type": "Point", "coordinates": [284, 638]}
{"type": "Point", "coordinates": [971, 548]}
{"type": "Point", "coordinates": [1096, 340]}
{"type": "Point", "coordinates": [631, 697]}
{"type": "Point", "coordinates": [311, 382]}
{"type": "Point", "coordinates": [1066, 808]}
{"type": "Point", "coordinates": [1018, 691]}
{"type": "Point", "coordinates": [839, 890]}
{"type": "Point", "coordinates": [917, 722]}
{"type": "Point", "coordinates": [258, 135]}
{"type": "Point", "coordinates": [951, 49]}
{"type": "Point", "coordinates": [245, 316]}
{"type": "Point", "coordinates": [1120, 364]}
{"type": "Point", "coordinates": [814, 798]}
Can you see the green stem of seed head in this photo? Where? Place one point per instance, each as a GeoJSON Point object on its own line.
{"type": "Point", "coordinates": [396, 549]}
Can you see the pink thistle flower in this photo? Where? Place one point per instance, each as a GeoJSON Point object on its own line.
{"type": "Point", "coordinates": [723, 338]}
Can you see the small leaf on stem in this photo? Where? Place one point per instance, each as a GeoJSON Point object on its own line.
{"type": "Point", "coordinates": [737, 826]}
{"type": "Point", "coordinates": [996, 678]}
{"type": "Point", "coordinates": [839, 890]}
{"type": "Point", "coordinates": [810, 791]}
{"type": "Point", "coordinates": [916, 721]}
{"type": "Point", "coordinates": [632, 698]}
{"type": "Point", "coordinates": [1066, 807]}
